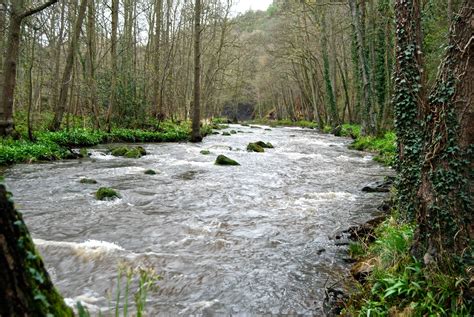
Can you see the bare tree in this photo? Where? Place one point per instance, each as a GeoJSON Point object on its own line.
{"type": "Point", "coordinates": [196, 126]}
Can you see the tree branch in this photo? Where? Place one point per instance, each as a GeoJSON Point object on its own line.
{"type": "Point", "coordinates": [39, 8]}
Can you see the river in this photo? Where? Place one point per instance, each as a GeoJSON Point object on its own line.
{"type": "Point", "coordinates": [255, 239]}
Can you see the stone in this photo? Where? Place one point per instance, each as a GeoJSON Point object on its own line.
{"type": "Point", "coordinates": [150, 172]}
{"type": "Point", "coordinates": [226, 134]}
{"type": "Point", "coordinates": [224, 160]}
{"type": "Point", "coordinates": [205, 152]}
{"type": "Point", "coordinates": [87, 181]}
{"type": "Point", "coordinates": [267, 145]}
{"type": "Point", "coordinates": [105, 193]}
{"type": "Point", "coordinates": [133, 153]}
{"type": "Point", "coordinates": [254, 147]}
{"type": "Point", "coordinates": [119, 151]}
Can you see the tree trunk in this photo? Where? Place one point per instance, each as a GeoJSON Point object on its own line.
{"type": "Point", "coordinates": [368, 122]}
{"type": "Point", "coordinates": [157, 91]}
{"type": "Point", "coordinates": [66, 79]}
{"type": "Point", "coordinates": [196, 126]}
{"type": "Point", "coordinates": [408, 101]}
{"type": "Point", "coordinates": [113, 60]}
{"type": "Point", "coordinates": [445, 215]}
{"type": "Point", "coordinates": [26, 288]}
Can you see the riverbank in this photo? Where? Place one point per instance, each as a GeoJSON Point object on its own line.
{"type": "Point", "coordinates": [51, 146]}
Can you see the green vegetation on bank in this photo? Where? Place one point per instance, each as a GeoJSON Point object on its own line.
{"type": "Point", "coordinates": [49, 146]}
{"type": "Point", "coordinates": [398, 285]}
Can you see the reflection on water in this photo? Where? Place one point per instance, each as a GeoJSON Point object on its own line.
{"type": "Point", "coordinates": [245, 240]}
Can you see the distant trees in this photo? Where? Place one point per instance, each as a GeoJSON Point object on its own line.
{"type": "Point", "coordinates": [18, 12]}
{"type": "Point", "coordinates": [196, 132]}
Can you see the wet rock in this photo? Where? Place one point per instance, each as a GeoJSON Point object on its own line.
{"type": "Point", "coordinates": [244, 124]}
{"type": "Point", "coordinates": [264, 145]}
{"type": "Point", "coordinates": [254, 147]}
{"type": "Point", "coordinates": [187, 176]}
{"type": "Point", "coordinates": [255, 127]}
{"type": "Point", "coordinates": [84, 152]}
{"type": "Point", "coordinates": [133, 153]}
{"type": "Point", "coordinates": [240, 131]}
{"type": "Point", "coordinates": [105, 193]}
{"type": "Point", "coordinates": [334, 301]}
{"type": "Point", "coordinates": [226, 133]}
{"type": "Point", "coordinates": [205, 152]}
{"type": "Point", "coordinates": [224, 160]}
{"type": "Point", "coordinates": [215, 133]}
{"type": "Point", "coordinates": [268, 129]}
{"type": "Point", "coordinates": [379, 187]}
{"type": "Point", "coordinates": [233, 132]}
{"type": "Point", "coordinates": [150, 172]}
{"type": "Point", "coordinates": [87, 181]}
{"type": "Point", "coordinates": [366, 230]}
{"type": "Point", "coordinates": [141, 150]}
{"type": "Point", "coordinates": [337, 131]}
{"type": "Point", "coordinates": [119, 151]}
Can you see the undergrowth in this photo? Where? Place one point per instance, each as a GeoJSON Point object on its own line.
{"type": "Point", "coordinates": [399, 285]}
{"type": "Point", "coordinates": [48, 146]}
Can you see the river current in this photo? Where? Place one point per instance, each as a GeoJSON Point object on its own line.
{"type": "Point", "coordinates": [255, 239]}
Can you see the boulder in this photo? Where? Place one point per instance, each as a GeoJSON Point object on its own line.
{"type": "Point", "coordinates": [254, 147]}
{"type": "Point", "coordinates": [150, 172]}
{"type": "Point", "coordinates": [205, 152]}
{"type": "Point", "coordinates": [133, 153]}
{"type": "Point", "coordinates": [226, 133]}
{"type": "Point", "coordinates": [105, 193]}
{"type": "Point", "coordinates": [87, 181]}
{"type": "Point", "coordinates": [233, 132]}
{"type": "Point", "coordinates": [224, 160]}
{"type": "Point", "coordinates": [141, 150]}
{"type": "Point", "coordinates": [267, 145]}
{"type": "Point", "coordinates": [119, 151]}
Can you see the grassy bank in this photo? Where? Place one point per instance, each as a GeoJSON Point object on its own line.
{"type": "Point", "coordinates": [49, 146]}
{"type": "Point", "coordinates": [286, 123]}
{"type": "Point", "coordinates": [397, 284]}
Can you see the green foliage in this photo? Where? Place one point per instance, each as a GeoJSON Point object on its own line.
{"type": "Point", "coordinates": [399, 283]}
{"type": "Point", "coordinates": [385, 146]}
{"type": "Point", "coordinates": [286, 123]}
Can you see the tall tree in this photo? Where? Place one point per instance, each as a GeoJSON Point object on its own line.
{"type": "Point", "coordinates": [196, 125]}
{"type": "Point", "coordinates": [18, 13]}
{"type": "Point", "coordinates": [70, 58]}
{"type": "Point", "coordinates": [445, 214]}
{"type": "Point", "coordinates": [113, 60]}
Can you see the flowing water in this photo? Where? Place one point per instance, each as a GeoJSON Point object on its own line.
{"type": "Point", "coordinates": [256, 239]}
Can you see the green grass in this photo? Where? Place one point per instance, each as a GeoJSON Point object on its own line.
{"type": "Point", "coordinates": [49, 146]}
{"type": "Point", "coordinates": [385, 146]}
{"type": "Point", "coordinates": [400, 284]}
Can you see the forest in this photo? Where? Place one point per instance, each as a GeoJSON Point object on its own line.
{"type": "Point", "coordinates": [144, 84]}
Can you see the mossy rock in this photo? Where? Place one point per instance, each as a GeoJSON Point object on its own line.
{"type": "Point", "coordinates": [141, 150]}
{"type": "Point", "coordinates": [268, 129]}
{"type": "Point", "coordinates": [84, 152]}
{"type": "Point", "coordinates": [120, 151]}
{"type": "Point", "coordinates": [267, 145]}
{"type": "Point", "coordinates": [87, 181]}
{"type": "Point", "coordinates": [205, 152]}
{"type": "Point", "coordinates": [224, 160]}
{"type": "Point", "coordinates": [150, 172]}
{"type": "Point", "coordinates": [105, 193]}
{"type": "Point", "coordinates": [244, 124]}
{"type": "Point", "coordinates": [133, 153]}
{"type": "Point", "coordinates": [215, 133]}
{"type": "Point", "coordinates": [254, 147]}
{"type": "Point", "coordinates": [233, 132]}
{"type": "Point", "coordinates": [226, 134]}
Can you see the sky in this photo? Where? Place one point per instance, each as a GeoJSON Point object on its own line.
{"type": "Point", "coordinates": [244, 5]}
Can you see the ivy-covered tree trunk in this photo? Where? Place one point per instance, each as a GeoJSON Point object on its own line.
{"type": "Point", "coordinates": [408, 101]}
{"type": "Point", "coordinates": [25, 286]}
{"type": "Point", "coordinates": [445, 214]}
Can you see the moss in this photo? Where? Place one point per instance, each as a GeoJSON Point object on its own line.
{"type": "Point", "coordinates": [205, 152]}
{"type": "Point", "coordinates": [105, 193]}
{"type": "Point", "coordinates": [88, 181]}
{"type": "Point", "coordinates": [119, 151]}
{"type": "Point", "coordinates": [224, 160]}
{"type": "Point", "coordinates": [264, 145]}
{"type": "Point", "coordinates": [150, 172]}
{"type": "Point", "coordinates": [254, 147]}
{"type": "Point", "coordinates": [141, 150]}
{"type": "Point", "coordinates": [133, 153]}
{"type": "Point", "coordinates": [83, 152]}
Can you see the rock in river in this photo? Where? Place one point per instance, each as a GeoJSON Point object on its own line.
{"type": "Point", "coordinates": [224, 160]}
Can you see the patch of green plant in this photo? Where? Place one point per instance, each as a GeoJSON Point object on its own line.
{"type": "Point", "coordinates": [399, 284]}
{"type": "Point", "coordinates": [385, 146]}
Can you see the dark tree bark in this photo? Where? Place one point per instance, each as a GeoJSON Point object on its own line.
{"type": "Point", "coordinates": [196, 126]}
{"type": "Point", "coordinates": [26, 288]}
{"type": "Point", "coordinates": [113, 60]}
{"type": "Point", "coordinates": [17, 14]}
{"type": "Point", "coordinates": [66, 79]}
{"type": "Point", "coordinates": [445, 214]}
